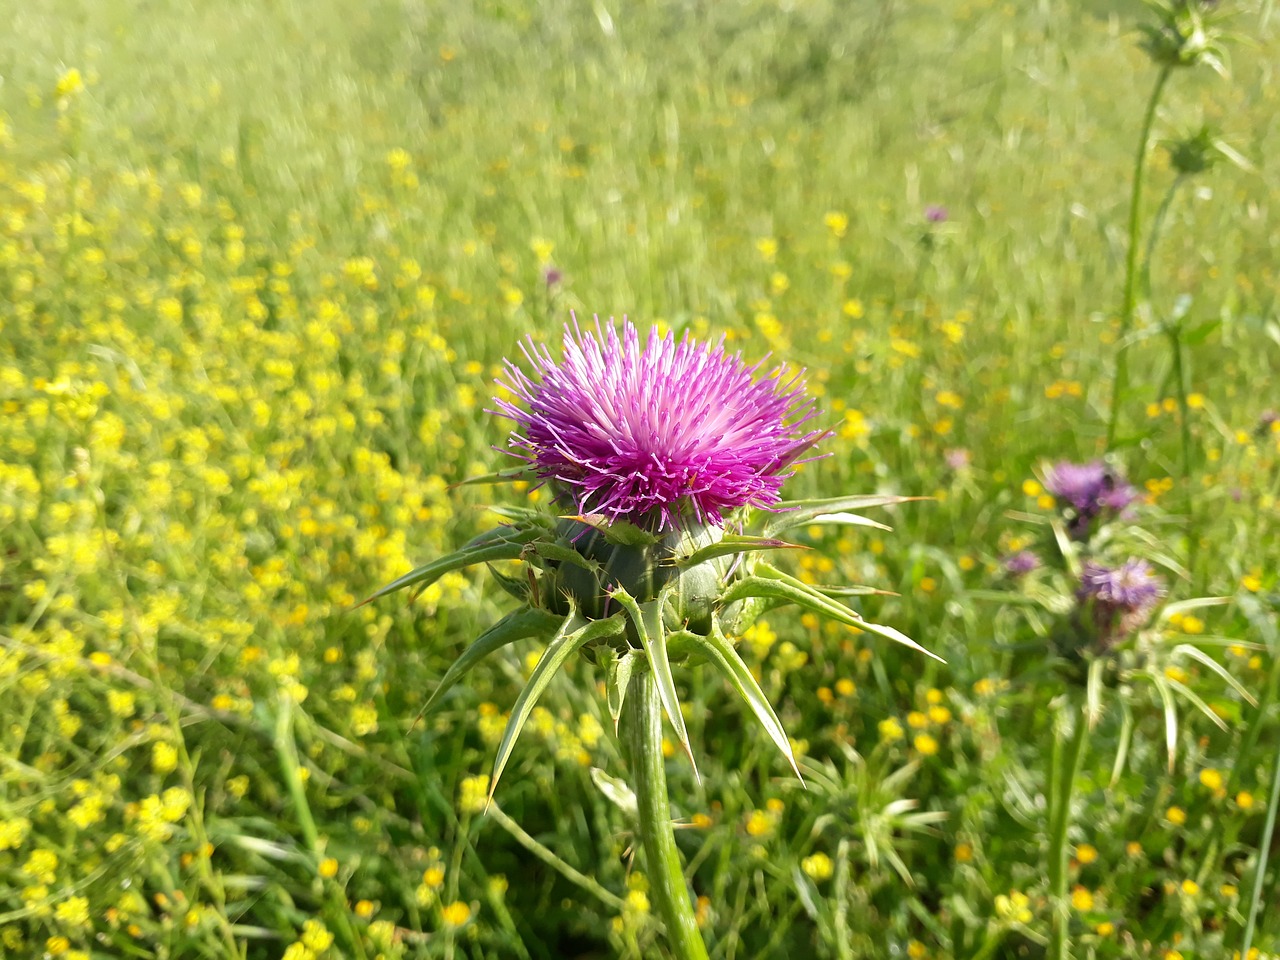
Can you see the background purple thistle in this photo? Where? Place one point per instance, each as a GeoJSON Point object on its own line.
{"type": "Point", "coordinates": [1121, 598]}
{"type": "Point", "coordinates": [1131, 586]}
{"type": "Point", "coordinates": [654, 434]}
{"type": "Point", "coordinates": [1077, 483]}
{"type": "Point", "coordinates": [1091, 489]}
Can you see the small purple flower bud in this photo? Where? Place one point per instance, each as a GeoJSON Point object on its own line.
{"type": "Point", "coordinates": [935, 213]}
{"type": "Point", "coordinates": [552, 276]}
{"type": "Point", "coordinates": [958, 459]}
{"type": "Point", "coordinates": [1021, 563]}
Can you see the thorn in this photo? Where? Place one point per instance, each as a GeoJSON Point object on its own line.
{"type": "Point", "coordinates": [414, 725]}
{"type": "Point", "coordinates": [688, 752]}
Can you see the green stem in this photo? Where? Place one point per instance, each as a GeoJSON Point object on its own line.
{"type": "Point", "coordinates": [550, 859]}
{"type": "Point", "coordinates": [291, 770]}
{"type": "Point", "coordinates": [1260, 873]}
{"type": "Point", "coordinates": [1121, 380]}
{"type": "Point", "coordinates": [642, 736]}
{"type": "Point", "coordinates": [1173, 330]}
{"type": "Point", "coordinates": [1066, 766]}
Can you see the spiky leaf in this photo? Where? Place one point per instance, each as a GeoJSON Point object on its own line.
{"type": "Point", "coordinates": [527, 622]}
{"type": "Point", "coordinates": [617, 681]}
{"type": "Point", "coordinates": [575, 633]}
{"type": "Point", "coordinates": [647, 619]}
{"type": "Point", "coordinates": [424, 576]}
{"type": "Point", "coordinates": [796, 513]}
{"type": "Point", "coordinates": [717, 648]}
{"type": "Point", "coordinates": [510, 475]}
{"type": "Point", "coordinates": [617, 531]}
{"type": "Point", "coordinates": [811, 599]}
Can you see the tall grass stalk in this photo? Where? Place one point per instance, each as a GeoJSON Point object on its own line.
{"type": "Point", "coordinates": [1068, 753]}
{"type": "Point", "coordinates": [1260, 874]}
{"type": "Point", "coordinates": [1121, 380]}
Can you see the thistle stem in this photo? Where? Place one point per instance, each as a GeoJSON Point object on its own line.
{"type": "Point", "coordinates": [1067, 756]}
{"type": "Point", "coordinates": [1121, 380]}
{"type": "Point", "coordinates": [642, 736]}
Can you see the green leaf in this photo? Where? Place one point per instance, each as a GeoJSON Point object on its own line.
{"type": "Point", "coordinates": [507, 533]}
{"type": "Point", "coordinates": [1200, 333]}
{"type": "Point", "coordinates": [528, 622]}
{"type": "Point", "coordinates": [1198, 702]}
{"type": "Point", "coordinates": [562, 554]}
{"type": "Point", "coordinates": [805, 596]}
{"type": "Point", "coordinates": [518, 587]}
{"type": "Point", "coordinates": [524, 515]}
{"type": "Point", "coordinates": [731, 545]}
{"type": "Point", "coordinates": [1126, 740]}
{"type": "Point", "coordinates": [575, 633]}
{"type": "Point", "coordinates": [616, 791]}
{"type": "Point", "coordinates": [617, 681]}
{"type": "Point", "coordinates": [849, 519]}
{"type": "Point", "coordinates": [616, 531]}
{"type": "Point", "coordinates": [1201, 657]}
{"type": "Point", "coordinates": [1093, 691]}
{"type": "Point", "coordinates": [1182, 606]}
{"type": "Point", "coordinates": [428, 574]}
{"type": "Point", "coordinates": [1170, 715]}
{"type": "Point", "coordinates": [727, 660]}
{"type": "Point", "coordinates": [796, 513]}
{"type": "Point", "coordinates": [509, 475]}
{"type": "Point", "coordinates": [647, 618]}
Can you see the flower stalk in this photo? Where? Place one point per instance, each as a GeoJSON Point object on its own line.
{"type": "Point", "coordinates": [1068, 754]}
{"type": "Point", "coordinates": [641, 731]}
{"type": "Point", "coordinates": [1120, 382]}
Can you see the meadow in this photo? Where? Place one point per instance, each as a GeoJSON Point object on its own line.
{"type": "Point", "coordinates": [260, 264]}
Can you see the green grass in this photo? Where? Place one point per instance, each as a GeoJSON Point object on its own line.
{"type": "Point", "coordinates": [246, 347]}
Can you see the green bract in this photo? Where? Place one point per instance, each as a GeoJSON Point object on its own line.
{"type": "Point", "coordinates": [630, 599]}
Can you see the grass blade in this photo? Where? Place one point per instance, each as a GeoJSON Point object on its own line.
{"type": "Point", "coordinates": [1264, 848]}
{"type": "Point", "coordinates": [1170, 716]}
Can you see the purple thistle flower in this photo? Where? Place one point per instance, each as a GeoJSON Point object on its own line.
{"type": "Point", "coordinates": [657, 435]}
{"type": "Point", "coordinates": [1091, 489]}
{"type": "Point", "coordinates": [1021, 563]}
{"type": "Point", "coordinates": [1121, 598]}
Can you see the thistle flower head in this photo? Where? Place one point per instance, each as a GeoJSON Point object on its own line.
{"type": "Point", "coordinates": [1091, 489]}
{"type": "Point", "coordinates": [661, 433]}
{"type": "Point", "coordinates": [1121, 598]}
